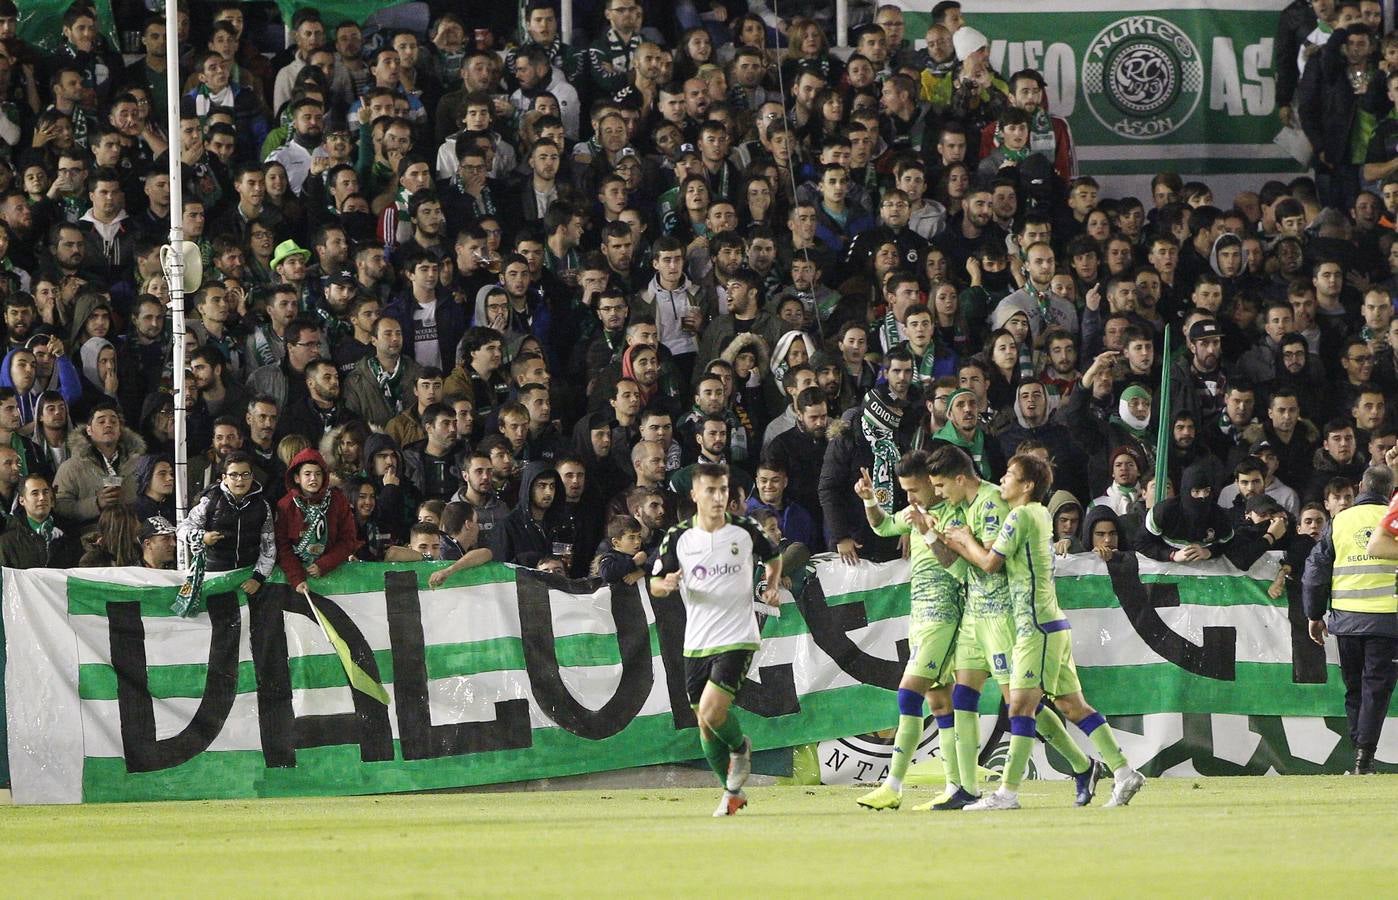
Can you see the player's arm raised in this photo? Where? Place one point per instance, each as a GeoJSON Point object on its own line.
{"type": "Point", "coordinates": [864, 490]}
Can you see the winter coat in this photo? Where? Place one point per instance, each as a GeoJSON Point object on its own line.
{"type": "Point", "coordinates": [342, 534]}
{"type": "Point", "coordinates": [79, 479]}
{"type": "Point", "coordinates": [22, 548]}
{"type": "Point", "coordinates": [845, 454]}
{"type": "Point", "coordinates": [249, 538]}
{"type": "Point", "coordinates": [361, 395]}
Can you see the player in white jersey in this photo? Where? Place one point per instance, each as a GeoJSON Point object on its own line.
{"type": "Point", "coordinates": [710, 560]}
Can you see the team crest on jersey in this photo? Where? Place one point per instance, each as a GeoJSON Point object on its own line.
{"type": "Point", "coordinates": [733, 549]}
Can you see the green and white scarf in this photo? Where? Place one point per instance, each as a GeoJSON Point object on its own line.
{"type": "Point", "coordinates": [889, 329]}
{"type": "Point", "coordinates": [387, 381]}
{"type": "Point", "coordinates": [878, 422]}
{"type": "Point", "coordinates": [311, 544]}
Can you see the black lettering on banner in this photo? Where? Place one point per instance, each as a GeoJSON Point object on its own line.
{"type": "Point", "coordinates": [1216, 657]}
{"type": "Point", "coordinates": [135, 706]}
{"type": "Point", "coordinates": [774, 695]}
{"type": "Point", "coordinates": [284, 732]}
{"type": "Point", "coordinates": [830, 629]}
{"type": "Point", "coordinates": [669, 626]}
{"type": "Point", "coordinates": [541, 657]}
{"type": "Point", "coordinates": [1307, 657]}
{"type": "Point", "coordinates": [419, 738]}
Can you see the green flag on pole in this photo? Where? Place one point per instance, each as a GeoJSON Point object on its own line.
{"type": "Point", "coordinates": [1162, 424]}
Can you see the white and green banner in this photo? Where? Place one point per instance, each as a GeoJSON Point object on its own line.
{"type": "Point", "coordinates": [1201, 671]}
{"type": "Point", "coordinates": [1182, 85]}
{"type": "Point", "coordinates": [505, 674]}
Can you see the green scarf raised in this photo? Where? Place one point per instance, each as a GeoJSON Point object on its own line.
{"type": "Point", "coordinates": [878, 422]}
{"type": "Point", "coordinates": [311, 544]}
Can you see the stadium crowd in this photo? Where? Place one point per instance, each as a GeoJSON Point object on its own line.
{"type": "Point", "coordinates": [473, 294]}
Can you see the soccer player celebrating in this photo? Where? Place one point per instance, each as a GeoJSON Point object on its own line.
{"type": "Point", "coordinates": [936, 616]}
{"type": "Point", "coordinates": [709, 559]}
{"type": "Point", "coordinates": [1043, 648]}
{"type": "Point", "coordinates": [985, 644]}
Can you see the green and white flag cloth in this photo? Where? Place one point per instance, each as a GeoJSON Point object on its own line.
{"type": "Point", "coordinates": [505, 674]}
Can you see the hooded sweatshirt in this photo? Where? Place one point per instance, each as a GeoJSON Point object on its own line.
{"type": "Point", "coordinates": [396, 503]}
{"type": "Point", "coordinates": [341, 537]}
{"type": "Point", "coordinates": [69, 386]}
{"type": "Point", "coordinates": [1097, 514]}
{"type": "Point", "coordinates": [522, 539]}
{"type": "Point", "coordinates": [1180, 521]}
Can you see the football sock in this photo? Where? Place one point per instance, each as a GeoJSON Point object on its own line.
{"type": "Point", "coordinates": [964, 702]}
{"type": "Point", "coordinates": [730, 733]}
{"type": "Point", "coordinates": [946, 736]}
{"type": "Point", "coordinates": [1051, 729]}
{"type": "Point", "coordinates": [1100, 733]}
{"type": "Point", "coordinates": [1021, 742]}
{"type": "Point", "coordinates": [717, 754]}
{"type": "Point", "coordinates": [904, 745]}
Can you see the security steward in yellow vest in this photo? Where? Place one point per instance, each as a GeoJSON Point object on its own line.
{"type": "Point", "coordinates": [1358, 589]}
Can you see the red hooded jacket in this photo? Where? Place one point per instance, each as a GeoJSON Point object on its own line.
{"type": "Point", "coordinates": [342, 536]}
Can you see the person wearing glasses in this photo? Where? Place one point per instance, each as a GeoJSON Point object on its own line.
{"type": "Point", "coordinates": [230, 527]}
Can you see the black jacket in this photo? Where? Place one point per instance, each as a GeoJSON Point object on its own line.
{"type": "Point", "coordinates": [520, 538]}
{"type": "Point", "coordinates": [22, 548]}
{"type": "Point", "coordinates": [1296, 22]}
{"type": "Point", "coordinates": [1176, 521]}
{"type": "Point", "coordinates": [845, 454]}
{"type": "Point", "coordinates": [803, 455]}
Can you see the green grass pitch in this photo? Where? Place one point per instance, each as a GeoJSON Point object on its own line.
{"type": "Point", "coordinates": [1256, 837]}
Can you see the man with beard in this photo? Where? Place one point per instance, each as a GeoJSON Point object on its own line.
{"type": "Point", "coordinates": [1337, 457]}
{"type": "Point", "coordinates": [20, 313]}
{"type": "Point", "coordinates": [536, 75]}
{"type": "Point", "coordinates": [15, 212]}
{"type": "Point", "coordinates": [578, 531]}
{"type": "Point", "coordinates": [743, 293]}
{"type": "Point", "coordinates": [428, 226]}
{"type": "Point", "coordinates": [1036, 300]}
{"type": "Point", "coordinates": [963, 429]}
{"type": "Point", "coordinates": [215, 394]}
{"type": "Point", "coordinates": [141, 357]}
{"type": "Point", "coordinates": [285, 380]}
{"type": "Point", "coordinates": [321, 408]}
{"type": "Point", "coordinates": [801, 451]}
{"type": "Point", "coordinates": [1197, 383]}
{"type": "Point", "coordinates": [1189, 527]}
{"type": "Point", "coordinates": [1226, 438]}
{"type": "Point", "coordinates": [872, 436]}
{"type": "Point", "coordinates": [1048, 135]}
{"type": "Point", "coordinates": [1187, 450]}
{"type": "Point", "coordinates": [430, 463]}
{"type": "Point", "coordinates": [307, 115]}
{"type": "Point", "coordinates": [969, 228]}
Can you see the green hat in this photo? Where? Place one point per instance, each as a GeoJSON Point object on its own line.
{"type": "Point", "coordinates": [1135, 391]}
{"type": "Point", "coordinates": [285, 250]}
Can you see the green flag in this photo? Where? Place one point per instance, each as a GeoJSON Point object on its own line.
{"type": "Point", "coordinates": [1162, 424]}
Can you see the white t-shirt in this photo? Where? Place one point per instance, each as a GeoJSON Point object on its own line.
{"type": "Point", "coordinates": [716, 582]}
{"type": "Point", "coordinates": [425, 347]}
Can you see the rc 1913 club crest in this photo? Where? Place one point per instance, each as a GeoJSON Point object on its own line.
{"type": "Point", "coordinates": [1142, 77]}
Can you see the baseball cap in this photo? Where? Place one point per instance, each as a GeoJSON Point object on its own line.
{"type": "Point", "coordinates": [1205, 328]}
{"type": "Point", "coordinates": [155, 526]}
{"type": "Point", "coordinates": [342, 276]}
